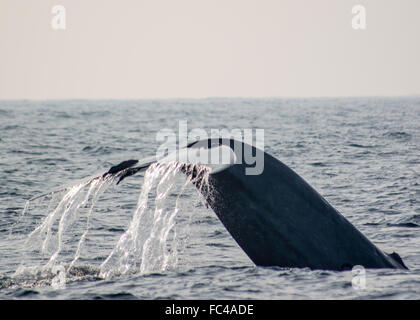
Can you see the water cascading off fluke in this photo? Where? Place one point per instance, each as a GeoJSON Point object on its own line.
{"type": "Point", "coordinates": [149, 244]}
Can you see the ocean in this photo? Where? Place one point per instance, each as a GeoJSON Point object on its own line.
{"type": "Point", "coordinates": [153, 237]}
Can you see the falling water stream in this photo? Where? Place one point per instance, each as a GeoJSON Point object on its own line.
{"type": "Point", "coordinates": [144, 246]}
{"type": "Point", "coordinates": [151, 242]}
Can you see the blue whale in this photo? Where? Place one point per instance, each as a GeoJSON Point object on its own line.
{"type": "Point", "coordinates": [276, 217]}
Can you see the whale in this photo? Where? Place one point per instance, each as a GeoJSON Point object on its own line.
{"type": "Point", "coordinates": [275, 217]}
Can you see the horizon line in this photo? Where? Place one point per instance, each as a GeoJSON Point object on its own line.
{"type": "Point", "coordinates": [416, 95]}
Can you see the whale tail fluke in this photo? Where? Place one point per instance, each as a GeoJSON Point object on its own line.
{"type": "Point", "coordinates": [120, 167]}
{"type": "Point", "coordinates": [276, 217]}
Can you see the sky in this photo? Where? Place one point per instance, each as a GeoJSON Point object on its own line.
{"type": "Point", "coordinates": [129, 49]}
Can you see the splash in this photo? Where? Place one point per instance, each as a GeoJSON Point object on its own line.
{"type": "Point", "coordinates": [43, 247]}
{"type": "Point", "coordinates": [152, 242]}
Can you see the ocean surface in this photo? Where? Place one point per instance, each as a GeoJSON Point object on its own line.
{"type": "Point", "coordinates": [153, 237]}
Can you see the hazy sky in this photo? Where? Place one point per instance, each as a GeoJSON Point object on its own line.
{"type": "Point", "coordinates": [205, 48]}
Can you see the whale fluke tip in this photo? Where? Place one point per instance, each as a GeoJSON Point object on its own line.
{"type": "Point", "coordinates": [120, 167]}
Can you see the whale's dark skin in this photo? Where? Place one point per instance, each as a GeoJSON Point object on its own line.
{"type": "Point", "coordinates": [120, 167]}
{"type": "Point", "coordinates": [278, 219]}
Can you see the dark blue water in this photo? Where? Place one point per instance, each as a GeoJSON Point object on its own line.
{"type": "Point", "coordinates": [361, 154]}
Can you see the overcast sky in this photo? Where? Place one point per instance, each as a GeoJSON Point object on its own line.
{"type": "Point", "coordinates": [206, 48]}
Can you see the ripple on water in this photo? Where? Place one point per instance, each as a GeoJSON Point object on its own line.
{"type": "Point", "coordinates": [362, 153]}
